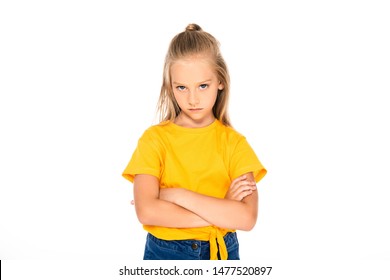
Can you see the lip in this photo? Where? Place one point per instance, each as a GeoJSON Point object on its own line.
{"type": "Point", "coordinates": [195, 109]}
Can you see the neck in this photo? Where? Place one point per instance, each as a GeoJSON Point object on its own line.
{"type": "Point", "coordinates": [191, 123]}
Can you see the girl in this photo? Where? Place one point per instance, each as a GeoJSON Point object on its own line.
{"type": "Point", "coordinates": [194, 176]}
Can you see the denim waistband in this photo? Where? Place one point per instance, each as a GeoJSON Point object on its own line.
{"type": "Point", "coordinates": [187, 249]}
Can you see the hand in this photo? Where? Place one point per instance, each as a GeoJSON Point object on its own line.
{"type": "Point", "coordinates": [240, 188]}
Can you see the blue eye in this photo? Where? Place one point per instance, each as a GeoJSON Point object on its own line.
{"type": "Point", "coordinates": [181, 88]}
{"type": "Point", "coordinates": [204, 86]}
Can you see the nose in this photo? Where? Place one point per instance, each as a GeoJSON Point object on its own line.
{"type": "Point", "coordinates": [193, 99]}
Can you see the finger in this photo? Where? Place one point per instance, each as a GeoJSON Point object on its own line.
{"type": "Point", "coordinates": [238, 179]}
{"type": "Point", "coordinates": [237, 184]}
{"type": "Point", "coordinates": [243, 177]}
{"type": "Point", "coordinates": [241, 180]}
{"type": "Point", "coordinates": [242, 191]}
{"type": "Point", "coordinates": [246, 183]}
{"type": "Point", "coordinates": [245, 194]}
{"type": "Point", "coordinates": [247, 188]}
{"type": "Point", "coordinates": [241, 186]}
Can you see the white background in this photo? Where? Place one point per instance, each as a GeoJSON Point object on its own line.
{"type": "Point", "coordinates": [79, 83]}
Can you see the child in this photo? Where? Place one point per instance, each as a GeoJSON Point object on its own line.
{"type": "Point", "coordinates": [194, 176]}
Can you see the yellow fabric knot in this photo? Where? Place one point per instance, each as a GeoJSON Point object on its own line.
{"type": "Point", "coordinates": [217, 243]}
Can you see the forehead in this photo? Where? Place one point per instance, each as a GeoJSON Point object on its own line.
{"type": "Point", "coordinates": [192, 69]}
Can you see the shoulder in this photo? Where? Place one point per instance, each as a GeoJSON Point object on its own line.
{"type": "Point", "coordinates": [156, 130]}
{"type": "Point", "coordinates": [231, 134]}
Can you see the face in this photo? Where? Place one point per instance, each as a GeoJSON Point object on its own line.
{"type": "Point", "coordinates": [195, 86]}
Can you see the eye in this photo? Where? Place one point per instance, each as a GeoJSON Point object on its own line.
{"type": "Point", "coordinates": [181, 88]}
{"type": "Point", "coordinates": [204, 86]}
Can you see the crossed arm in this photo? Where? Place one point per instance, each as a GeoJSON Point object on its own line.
{"type": "Point", "coordinates": [181, 208]}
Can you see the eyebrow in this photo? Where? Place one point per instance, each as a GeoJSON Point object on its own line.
{"type": "Point", "coordinates": [206, 81]}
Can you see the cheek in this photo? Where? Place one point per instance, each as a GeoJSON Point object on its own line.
{"type": "Point", "coordinates": [213, 99]}
{"type": "Point", "coordinates": [179, 98]}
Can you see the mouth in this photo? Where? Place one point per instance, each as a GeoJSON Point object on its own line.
{"type": "Point", "coordinates": [195, 109]}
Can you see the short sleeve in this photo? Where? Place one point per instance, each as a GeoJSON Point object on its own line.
{"type": "Point", "coordinates": [244, 160]}
{"type": "Point", "coordinates": [146, 159]}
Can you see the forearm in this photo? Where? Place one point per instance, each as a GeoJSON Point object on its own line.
{"type": "Point", "coordinates": [153, 211]}
{"type": "Point", "coordinates": [166, 214]}
{"type": "Point", "coordinates": [223, 213]}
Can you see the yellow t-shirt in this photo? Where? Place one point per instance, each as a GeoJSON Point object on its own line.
{"type": "Point", "coordinates": [204, 160]}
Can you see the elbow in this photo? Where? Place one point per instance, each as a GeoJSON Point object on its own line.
{"type": "Point", "coordinates": [249, 222]}
{"type": "Point", "coordinates": [249, 225]}
{"type": "Point", "coordinates": [147, 212]}
{"type": "Point", "coordinates": [145, 215]}
{"type": "Point", "coordinates": [143, 219]}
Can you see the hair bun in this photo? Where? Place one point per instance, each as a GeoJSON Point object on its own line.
{"type": "Point", "coordinates": [193, 27]}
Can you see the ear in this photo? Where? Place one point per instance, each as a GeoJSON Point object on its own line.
{"type": "Point", "coordinates": [221, 86]}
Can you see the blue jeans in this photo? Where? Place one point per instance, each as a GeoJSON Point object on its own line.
{"type": "Point", "coordinates": [158, 249]}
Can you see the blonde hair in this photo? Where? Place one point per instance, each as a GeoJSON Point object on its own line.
{"type": "Point", "coordinates": [194, 41]}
